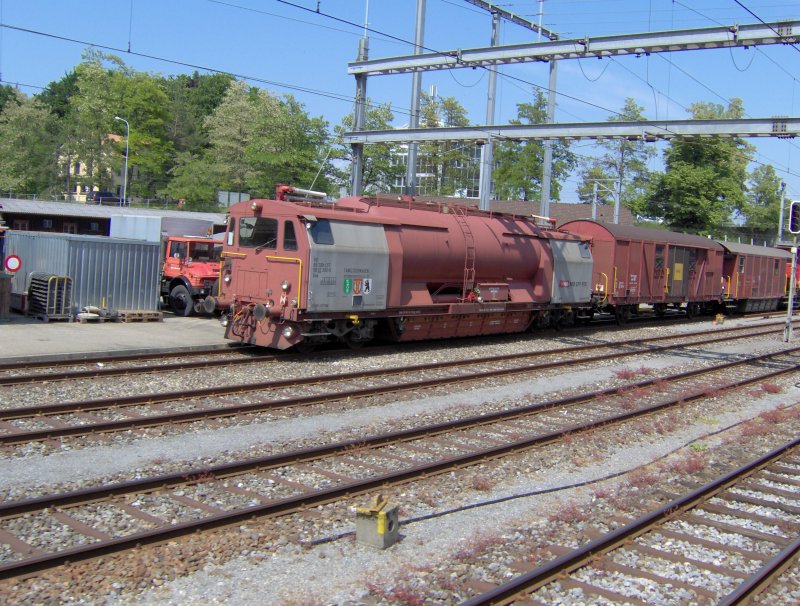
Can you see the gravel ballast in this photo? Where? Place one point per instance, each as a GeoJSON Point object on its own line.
{"type": "Point", "coordinates": [288, 568]}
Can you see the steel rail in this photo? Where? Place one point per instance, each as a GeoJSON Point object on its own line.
{"type": "Point", "coordinates": [92, 373]}
{"type": "Point", "coordinates": [758, 582]}
{"type": "Point", "coordinates": [528, 582]}
{"type": "Point", "coordinates": [261, 406]}
{"type": "Point", "coordinates": [282, 506]}
{"type": "Point", "coordinates": [93, 357]}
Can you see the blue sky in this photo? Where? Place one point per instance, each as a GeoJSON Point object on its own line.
{"type": "Point", "coordinates": [282, 47]}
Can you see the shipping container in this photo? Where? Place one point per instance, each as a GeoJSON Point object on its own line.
{"type": "Point", "coordinates": [109, 273]}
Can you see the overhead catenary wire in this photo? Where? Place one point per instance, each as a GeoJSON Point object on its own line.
{"type": "Point", "coordinates": [336, 96]}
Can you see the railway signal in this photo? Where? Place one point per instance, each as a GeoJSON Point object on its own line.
{"type": "Point", "coordinates": [794, 217]}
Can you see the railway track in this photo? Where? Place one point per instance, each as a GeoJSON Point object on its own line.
{"type": "Point", "coordinates": [70, 368]}
{"type": "Point", "coordinates": [755, 505]}
{"type": "Point", "coordinates": [40, 533]}
{"type": "Point", "coordinates": [19, 425]}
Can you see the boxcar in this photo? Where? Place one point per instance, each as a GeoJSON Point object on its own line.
{"type": "Point", "coordinates": [636, 265]}
{"type": "Point", "coordinates": [754, 277]}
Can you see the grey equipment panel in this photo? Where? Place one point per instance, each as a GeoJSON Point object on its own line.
{"type": "Point", "coordinates": [572, 271]}
{"type": "Point", "coordinates": [352, 272]}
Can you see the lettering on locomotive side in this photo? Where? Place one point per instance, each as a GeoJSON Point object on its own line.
{"type": "Point", "coordinates": [572, 284]}
{"type": "Point", "coordinates": [320, 267]}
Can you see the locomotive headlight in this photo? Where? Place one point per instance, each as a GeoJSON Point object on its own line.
{"type": "Point", "coordinates": [288, 332]}
{"type": "Point", "coordinates": [224, 320]}
{"type": "Point", "coordinates": [285, 286]}
{"type": "Point", "coordinates": [227, 278]}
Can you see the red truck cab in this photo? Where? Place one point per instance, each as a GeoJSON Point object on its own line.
{"type": "Point", "coordinates": [190, 272]}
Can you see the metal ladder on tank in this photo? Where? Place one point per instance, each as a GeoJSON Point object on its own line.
{"type": "Point", "coordinates": [469, 253]}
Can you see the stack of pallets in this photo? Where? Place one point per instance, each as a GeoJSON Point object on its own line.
{"type": "Point", "coordinates": [50, 297]}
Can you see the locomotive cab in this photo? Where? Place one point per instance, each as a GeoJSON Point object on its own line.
{"type": "Point", "coordinates": [290, 274]}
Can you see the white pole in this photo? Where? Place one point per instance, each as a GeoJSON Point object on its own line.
{"type": "Point", "coordinates": [787, 330]}
{"type": "Point", "coordinates": [124, 200]}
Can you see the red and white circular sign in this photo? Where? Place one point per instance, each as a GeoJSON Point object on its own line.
{"type": "Point", "coordinates": [13, 263]}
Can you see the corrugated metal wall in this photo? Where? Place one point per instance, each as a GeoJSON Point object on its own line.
{"type": "Point", "coordinates": [110, 273]}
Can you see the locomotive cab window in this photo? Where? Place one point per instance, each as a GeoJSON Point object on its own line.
{"type": "Point", "coordinates": [289, 237]}
{"type": "Point", "coordinates": [321, 231]}
{"type": "Point", "coordinates": [231, 230]}
{"type": "Point", "coordinates": [258, 232]}
{"type": "Point", "coordinates": [741, 265]}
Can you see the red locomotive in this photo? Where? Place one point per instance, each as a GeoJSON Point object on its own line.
{"type": "Point", "coordinates": [297, 271]}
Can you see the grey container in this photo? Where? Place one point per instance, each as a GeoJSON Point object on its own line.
{"type": "Point", "coordinates": [109, 273]}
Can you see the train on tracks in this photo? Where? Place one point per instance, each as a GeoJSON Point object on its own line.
{"type": "Point", "coordinates": [298, 271]}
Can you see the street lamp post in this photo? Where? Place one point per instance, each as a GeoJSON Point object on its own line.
{"type": "Point", "coordinates": [125, 174]}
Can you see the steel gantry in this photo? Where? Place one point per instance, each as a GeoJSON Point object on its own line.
{"type": "Point", "coordinates": [785, 32]}
{"type": "Point", "coordinates": [552, 50]}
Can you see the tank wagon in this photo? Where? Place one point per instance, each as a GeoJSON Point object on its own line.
{"type": "Point", "coordinates": [297, 271]}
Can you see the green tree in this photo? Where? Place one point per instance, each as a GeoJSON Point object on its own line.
{"type": "Point", "coordinates": [382, 168]}
{"type": "Point", "coordinates": [232, 127]}
{"type": "Point", "coordinates": [90, 118]}
{"type": "Point", "coordinates": [194, 178]}
{"type": "Point", "coordinates": [625, 161]}
{"type": "Point", "coordinates": [191, 100]}
{"type": "Point", "coordinates": [763, 207]}
{"type": "Point", "coordinates": [57, 94]}
{"type": "Point", "coordinates": [519, 165]}
{"type": "Point", "coordinates": [704, 181]}
{"type": "Point", "coordinates": [444, 167]}
{"type": "Point", "coordinates": [289, 147]}
{"type": "Point", "coordinates": [7, 93]}
{"type": "Point", "coordinates": [258, 141]}
{"type": "Point", "coordinates": [140, 99]}
{"type": "Point", "coordinates": [28, 158]}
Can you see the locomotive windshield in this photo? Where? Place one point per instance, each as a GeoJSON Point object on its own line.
{"type": "Point", "coordinates": [258, 232]}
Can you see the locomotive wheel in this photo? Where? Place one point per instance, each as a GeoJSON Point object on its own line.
{"type": "Point", "coordinates": [354, 343]}
{"type": "Point", "coordinates": [181, 301]}
{"type": "Point", "coordinates": [304, 347]}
